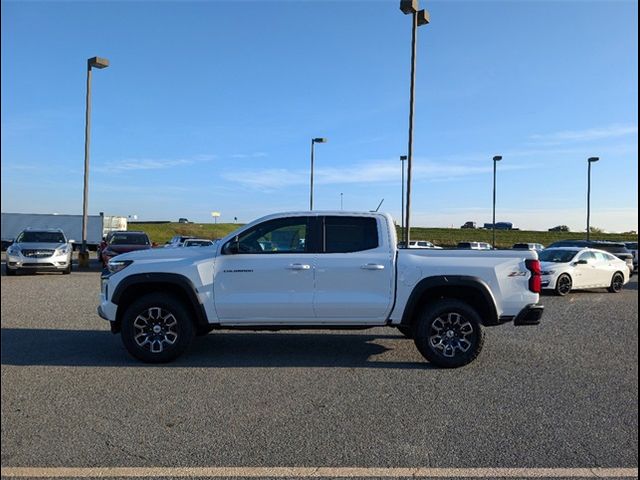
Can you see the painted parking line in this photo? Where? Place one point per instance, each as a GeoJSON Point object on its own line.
{"type": "Point", "coordinates": [315, 472]}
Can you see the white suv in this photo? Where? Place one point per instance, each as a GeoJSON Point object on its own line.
{"type": "Point", "coordinates": [39, 250]}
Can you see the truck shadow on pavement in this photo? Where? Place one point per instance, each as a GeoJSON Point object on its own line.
{"type": "Point", "coordinates": [94, 348]}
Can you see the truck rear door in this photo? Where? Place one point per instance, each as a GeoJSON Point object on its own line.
{"type": "Point", "coordinates": [354, 270]}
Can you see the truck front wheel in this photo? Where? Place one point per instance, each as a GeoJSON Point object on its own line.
{"type": "Point", "coordinates": [448, 333]}
{"type": "Point", "coordinates": [156, 328]}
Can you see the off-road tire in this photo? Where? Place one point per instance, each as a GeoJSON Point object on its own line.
{"type": "Point", "coordinates": [157, 328]}
{"type": "Point", "coordinates": [406, 331]}
{"type": "Point", "coordinates": [440, 347]}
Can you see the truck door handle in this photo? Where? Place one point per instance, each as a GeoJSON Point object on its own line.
{"type": "Point", "coordinates": [372, 266]}
{"type": "Point", "coordinates": [299, 266]}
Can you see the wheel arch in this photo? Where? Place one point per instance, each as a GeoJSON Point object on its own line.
{"type": "Point", "coordinates": [471, 290]}
{"type": "Point", "coordinates": [178, 286]}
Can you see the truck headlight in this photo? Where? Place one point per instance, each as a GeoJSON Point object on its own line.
{"type": "Point", "coordinates": [547, 272]}
{"type": "Point", "coordinates": [116, 265]}
{"type": "Point", "coordinates": [13, 250]}
{"type": "Point", "coordinates": [63, 250]}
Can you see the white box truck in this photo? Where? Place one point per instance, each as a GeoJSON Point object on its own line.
{"type": "Point", "coordinates": [71, 225]}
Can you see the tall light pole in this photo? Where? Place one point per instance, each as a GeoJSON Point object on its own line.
{"type": "Point", "coordinates": [496, 159]}
{"type": "Point", "coordinates": [402, 160]}
{"type": "Point", "coordinates": [341, 204]}
{"type": "Point", "coordinates": [95, 62]}
{"type": "Point", "coordinates": [589, 162]}
{"type": "Point", "coordinates": [419, 17]}
{"type": "Point", "coordinates": [313, 142]}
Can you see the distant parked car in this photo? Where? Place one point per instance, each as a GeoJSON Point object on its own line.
{"type": "Point", "coordinates": [183, 220]}
{"type": "Point", "coordinates": [573, 268]}
{"type": "Point", "coordinates": [178, 240]}
{"type": "Point", "coordinates": [422, 244]}
{"type": "Point", "coordinates": [39, 250]}
{"type": "Point", "coordinates": [469, 225]}
{"type": "Point", "coordinates": [633, 248]}
{"type": "Point", "coordinates": [528, 246]}
{"type": "Point", "coordinates": [559, 228]}
{"type": "Point", "coordinates": [123, 242]}
{"type": "Point", "coordinates": [105, 240]}
{"type": "Point", "coordinates": [617, 248]}
{"type": "Point", "coordinates": [474, 246]}
{"type": "Point", "coordinates": [197, 242]}
{"type": "Point", "coordinates": [499, 226]}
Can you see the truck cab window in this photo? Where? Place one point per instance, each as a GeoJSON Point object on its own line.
{"type": "Point", "coordinates": [350, 234]}
{"type": "Point", "coordinates": [274, 236]}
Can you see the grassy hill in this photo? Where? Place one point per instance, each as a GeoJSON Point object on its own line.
{"type": "Point", "coordinates": [446, 237]}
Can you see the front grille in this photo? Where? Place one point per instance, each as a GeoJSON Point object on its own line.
{"type": "Point", "coordinates": [37, 253]}
{"type": "Point", "coordinates": [27, 264]}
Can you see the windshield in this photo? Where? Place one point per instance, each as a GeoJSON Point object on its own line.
{"type": "Point", "coordinates": [129, 239]}
{"type": "Point", "coordinates": [41, 237]}
{"type": "Point", "coordinates": [557, 256]}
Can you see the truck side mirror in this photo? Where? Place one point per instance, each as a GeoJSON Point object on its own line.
{"type": "Point", "coordinates": [233, 247]}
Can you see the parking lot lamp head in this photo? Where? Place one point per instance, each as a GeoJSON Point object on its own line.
{"type": "Point", "coordinates": [98, 62]}
{"type": "Point", "coordinates": [409, 6]}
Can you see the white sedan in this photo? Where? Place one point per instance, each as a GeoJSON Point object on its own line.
{"type": "Point", "coordinates": [574, 268]}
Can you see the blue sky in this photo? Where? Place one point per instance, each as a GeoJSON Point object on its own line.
{"type": "Point", "coordinates": [211, 106]}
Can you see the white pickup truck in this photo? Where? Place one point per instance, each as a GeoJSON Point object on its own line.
{"type": "Point", "coordinates": [318, 270]}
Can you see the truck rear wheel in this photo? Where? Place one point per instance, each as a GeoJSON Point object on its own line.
{"type": "Point", "coordinates": [448, 333]}
{"type": "Point", "coordinates": [156, 328]}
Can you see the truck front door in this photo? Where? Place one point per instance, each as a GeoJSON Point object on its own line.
{"type": "Point", "coordinates": [267, 274]}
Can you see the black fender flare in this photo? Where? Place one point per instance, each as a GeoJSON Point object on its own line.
{"type": "Point", "coordinates": [175, 280]}
{"type": "Point", "coordinates": [479, 286]}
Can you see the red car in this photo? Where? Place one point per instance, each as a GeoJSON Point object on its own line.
{"type": "Point", "coordinates": [123, 242]}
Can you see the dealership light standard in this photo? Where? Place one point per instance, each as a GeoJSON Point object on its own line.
{"type": "Point", "coordinates": [496, 159]}
{"type": "Point", "coordinates": [589, 162]}
{"type": "Point", "coordinates": [402, 160]}
{"type": "Point", "coordinates": [95, 62]}
{"type": "Point", "coordinates": [313, 142]}
{"type": "Point", "coordinates": [419, 17]}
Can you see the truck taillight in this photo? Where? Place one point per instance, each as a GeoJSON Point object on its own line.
{"type": "Point", "coordinates": [535, 282]}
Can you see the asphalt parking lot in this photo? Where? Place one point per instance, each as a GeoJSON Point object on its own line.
{"type": "Point", "coordinates": [560, 395]}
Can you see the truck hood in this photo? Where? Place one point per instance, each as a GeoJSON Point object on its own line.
{"type": "Point", "coordinates": [169, 254]}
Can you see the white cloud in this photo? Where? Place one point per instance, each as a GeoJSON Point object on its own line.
{"type": "Point", "coordinates": [572, 136]}
{"type": "Point", "coordinates": [249, 155]}
{"type": "Point", "coordinates": [372, 172]}
{"type": "Point", "coordinates": [133, 164]}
